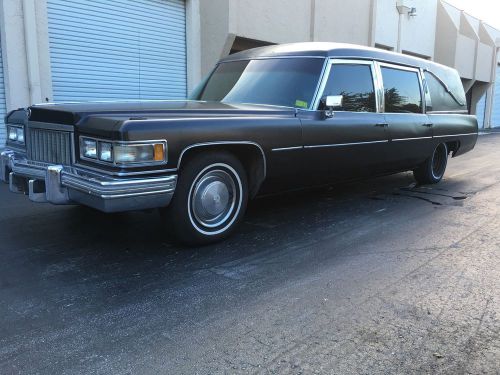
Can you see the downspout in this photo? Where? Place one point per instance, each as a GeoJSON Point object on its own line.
{"type": "Point", "coordinates": [31, 43]}
{"type": "Point", "coordinates": [400, 26]}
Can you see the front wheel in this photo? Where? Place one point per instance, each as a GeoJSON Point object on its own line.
{"type": "Point", "coordinates": [210, 198]}
{"type": "Point", "coordinates": [432, 170]}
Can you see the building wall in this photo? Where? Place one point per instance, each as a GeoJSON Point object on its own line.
{"type": "Point", "coordinates": [439, 31]}
{"type": "Point", "coordinates": [333, 21]}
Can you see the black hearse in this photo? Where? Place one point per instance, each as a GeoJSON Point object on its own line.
{"type": "Point", "coordinates": [264, 120]}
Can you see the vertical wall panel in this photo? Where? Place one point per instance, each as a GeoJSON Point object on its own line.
{"type": "Point", "coordinates": [495, 115]}
{"type": "Point", "coordinates": [120, 49]}
{"type": "Point", "coordinates": [2, 103]}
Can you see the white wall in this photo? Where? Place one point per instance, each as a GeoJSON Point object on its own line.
{"type": "Point", "coordinates": [335, 21]}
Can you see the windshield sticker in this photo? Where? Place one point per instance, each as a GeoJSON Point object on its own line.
{"type": "Point", "coordinates": [301, 104]}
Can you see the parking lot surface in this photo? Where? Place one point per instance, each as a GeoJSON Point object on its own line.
{"type": "Point", "coordinates": [375, 277]}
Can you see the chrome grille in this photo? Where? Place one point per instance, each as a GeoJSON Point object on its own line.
{"type": "Point", "coordinates": [49, 146]}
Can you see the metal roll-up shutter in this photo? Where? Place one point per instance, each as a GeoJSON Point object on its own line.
{"type": "Point", "coordinates": [120, 49]}
{"type": "Point", "coordinates": [2, 103]}
{"type": "Point", "coordinates": [495, 113]}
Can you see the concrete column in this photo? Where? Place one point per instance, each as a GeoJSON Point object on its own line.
{"type": "Point", "coordinates": [193, 43]}
{"type": "Point", "coordinates": [490, 94]}
{"type": "Point", "coordinates": [14, 54]}
{"type": "Point", "coordinates": [31, 44]}
{"type": "Point", "coordinates": [25, 52]}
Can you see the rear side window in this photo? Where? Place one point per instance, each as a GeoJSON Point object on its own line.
{"type": "Point", "coordinates": [355, 83]}
{"type": "Point", "coordinates": [401, 91]}
{"type": "Point", "coordinates": [441, 98]}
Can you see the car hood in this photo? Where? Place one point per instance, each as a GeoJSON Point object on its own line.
{"type": "Point", "coordinates": [76, 113]}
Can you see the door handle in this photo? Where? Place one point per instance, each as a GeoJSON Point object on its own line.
{"type": "Point", "coordinates": [428, 125]}
{"type": "Point", "coordinates": [382, 125]}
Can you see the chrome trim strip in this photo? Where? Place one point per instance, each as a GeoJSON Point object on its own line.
{"type": "Point", "coordinates": [51, 126]}
{"type": "Point", "coordinates": [317, 97]}
{"type": "Point", "coordinates": [460, 112]}
{"type": "Point", "coordinates": [113, 189]}
{"type": "Point", "coordinates": [410, 139]}
{"type": "Point", "coordinates": [347, 144]}
{"type": "Point", "coordinates": [123, 174]}
{"type": "Point", "coordinates": [225, 143]}
{"type": "Point", "coordinates": [113, 101]}
{"type": "Point", "coordinates": [454, 135]}
{"type": "Point", "coordinates": [288, 148]}
{"type": "Point", "coordinates": [272, 58]}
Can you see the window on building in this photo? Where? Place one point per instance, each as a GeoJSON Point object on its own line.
{"type": "Point", "coordinates": [402, 91]}
{"type": "Point", "coordinates": [355, 83]}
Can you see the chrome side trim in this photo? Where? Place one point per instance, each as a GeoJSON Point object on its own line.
{"type": "Point", "coordinates": [347, 144]}
{"type": "Point", "coordinates": [454, 135]}
{"type": "Point", "coordinates": [225, 143]}
{"type": "Point", "coordinates": [288, 148]}
{"type": "Point", "coordinates": [460, 112]}
{"type": "Point", "coordinates": [410, 139]}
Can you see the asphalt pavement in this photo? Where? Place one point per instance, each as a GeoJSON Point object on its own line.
{"type": "Point", "coordinates": [374, 277]}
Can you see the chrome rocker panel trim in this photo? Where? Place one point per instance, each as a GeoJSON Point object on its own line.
{"type": "Point", "coordinates": [58, 184]}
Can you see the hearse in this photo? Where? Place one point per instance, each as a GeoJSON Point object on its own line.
{"type": "Point", "coordinates": [263, 121]}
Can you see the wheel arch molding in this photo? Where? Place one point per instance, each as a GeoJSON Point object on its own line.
{"type": "Point", "coordinates": [251, 155]}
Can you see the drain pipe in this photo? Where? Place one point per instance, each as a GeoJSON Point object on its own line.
{"type": "Point", "coordinates": [31, 43]}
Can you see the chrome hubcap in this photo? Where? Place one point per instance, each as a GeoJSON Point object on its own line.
{"type": "Point", "coordinates": [439, 161]}
{"type": "Point", "coordinates": [213, 198]}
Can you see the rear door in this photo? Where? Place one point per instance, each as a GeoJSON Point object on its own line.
{"type": "Point", "coordinates": [410, 132]}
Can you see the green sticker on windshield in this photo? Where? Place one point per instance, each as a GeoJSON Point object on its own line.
{"type": "Point", "coordinates": [301, 104]}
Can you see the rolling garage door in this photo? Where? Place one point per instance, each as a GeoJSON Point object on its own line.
{"type": "Point", "coordinates": [120, 49]}
{"type": "Point", "coordinates": [2, 103]}
{"type": "Point", "coordinates": [495, 113]}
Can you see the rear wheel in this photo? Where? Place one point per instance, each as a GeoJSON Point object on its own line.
{"type": "Point", "coordinates": [210, 198]}
{"type": "Point", "coordinates": [432, 170]}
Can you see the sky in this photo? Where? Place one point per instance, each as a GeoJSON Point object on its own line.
{"type": "Point", "coordinates": [486, 10]}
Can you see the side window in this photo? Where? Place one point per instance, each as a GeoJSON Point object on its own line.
{"type": "Point", "coordinates": [355, 83]}
{"type": "Point", "coordinates": [441, 99]}
{"type": "Point", "coordinates": [401, 91]}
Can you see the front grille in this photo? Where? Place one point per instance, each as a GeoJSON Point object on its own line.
{"type": "Point", "coordinates": [49, 146]}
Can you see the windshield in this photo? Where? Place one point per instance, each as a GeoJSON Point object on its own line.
{"type": "Point", "coordinates": [289, 82]}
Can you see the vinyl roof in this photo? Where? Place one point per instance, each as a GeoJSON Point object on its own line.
{"type": "Point", "coordinates": [332, 50]}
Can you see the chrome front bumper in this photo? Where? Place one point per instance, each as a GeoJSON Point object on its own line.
{"type": "Point", "coordinates": [59, 184]}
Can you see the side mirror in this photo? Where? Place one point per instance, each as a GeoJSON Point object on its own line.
{"type": "Point", "coordinates": [333, 102]}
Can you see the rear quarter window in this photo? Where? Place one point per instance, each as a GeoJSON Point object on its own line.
{"type": "Point", "coordinates": [443, 99]}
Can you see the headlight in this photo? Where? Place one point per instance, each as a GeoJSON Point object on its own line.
{"type": "Point", "coordinates": [88, 148]}
{"type": "Point", "coordinates": [105, 151]}
{"type": "Point", "coordinates": [123, 153]}
{"type": "Point", "coordinates": [15, 134]}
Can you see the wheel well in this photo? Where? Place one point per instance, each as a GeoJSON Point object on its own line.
{"type": "Point", "coordinates": [453, 147]}
{"type": "Point", "coordinates": [250, 155]}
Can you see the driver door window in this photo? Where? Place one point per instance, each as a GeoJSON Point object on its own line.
{"type": "Point", "coordinates": [355, 83]}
